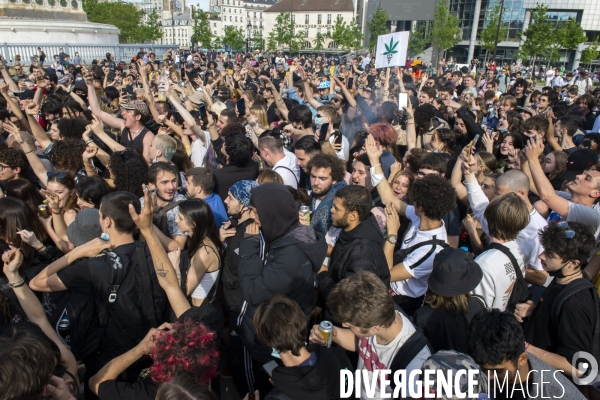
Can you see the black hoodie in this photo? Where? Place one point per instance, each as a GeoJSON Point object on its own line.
{"type": "Point", "coordinates": [320, 381]}
{"type": "Point", "coordinates": [360, 249]}
{"type": "Point", "coordinates": [294, 254]}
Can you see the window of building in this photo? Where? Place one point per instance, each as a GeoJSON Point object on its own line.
{"type": "Point", "coordinates": [254, 14]}
{"type": "Point", "coordinates": [293, 18]}
{"type": "Point", "coordinates": [261, 15]}
{"type": "Point", "coordinates": [328, 19]}
{"type": "Point", "coordinates": [339, 16]}
{"type": "Point", "coordinates": [235, 19]}
{"type": "Point", "coordinates": [319, 19]}
{"type": "Point", "coordinates": [307, 19]}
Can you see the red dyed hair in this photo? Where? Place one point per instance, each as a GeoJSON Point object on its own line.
{"type": "Point", "coordinates": [383, 133]}
{"type": "Point", "coordinates": [189, 347]}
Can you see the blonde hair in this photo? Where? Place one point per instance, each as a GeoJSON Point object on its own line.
{"type": "Point", "coordinates": [261, 115]}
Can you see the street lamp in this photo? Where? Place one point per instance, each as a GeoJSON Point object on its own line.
{"type": "Point", "coordinates": [173, 19]}
{"type": "Point", "coordinates": [248, 27]}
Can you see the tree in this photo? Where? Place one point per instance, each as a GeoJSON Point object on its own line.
{"type": "Point", "coordinates": [590, 54]}
{"type": "Point", "coordinates": [445, 28]}
{"type": "Point", "coordinates": [570, 34]}
{"type": "Point", "coordinates": [538, 37]}
{"type": "Point", "coordinates": [202, 33]}
{"type": "Point", "coordinates": [134, 24]}
{"type": "Point", "coordinates": [418, 40]}
{"type": "Point", "coordinates": [355, 38]}
{"type": "Point", "coordinates": [257, 40]}
{"type": "Point", "coordinates": [271, 41]}
{"type": "Point", "coordinates": [488, 35]}
{"type": "Point", "coordinates": [234, 38]}
{"type": "Point", "coordinates": [284, 35]}
{"type": "Point", "coordinates": [377, 26]}
{"type": "Point", "coordinates": [319, 41]}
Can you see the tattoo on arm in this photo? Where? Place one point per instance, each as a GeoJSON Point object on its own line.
{"type": "Point", "coordinates": [160, 270]}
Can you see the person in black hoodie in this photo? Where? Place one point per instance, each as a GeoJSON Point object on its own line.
{"type": "Point", "coordinates": [308, 372]}
{"type": "Point", "coordinates": [360, 244]}
{"type": "Point", "coordinates": [277, 256]}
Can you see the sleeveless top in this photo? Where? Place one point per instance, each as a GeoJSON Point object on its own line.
{"type": "Point", "coordinates": [137, 142]}
{"type": "Point", "coordinates": [207, 281]}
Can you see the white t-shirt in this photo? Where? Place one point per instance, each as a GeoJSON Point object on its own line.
{"type": "Point", "coordinates": [373, 356]}
{"type": "Point", "coordinates": [345, 151]}
{"type": "Point", "coordinates": [288, 169]}
{"type": "Point", "coordinates": [417, 286]}
{"type": "Point", "coordinates": [499, 275]}
{"type": "Point", "coordinates": [199, 150]}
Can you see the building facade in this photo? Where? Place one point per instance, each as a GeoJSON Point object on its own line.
{"type": "Point", "coordinates": [311, 17]}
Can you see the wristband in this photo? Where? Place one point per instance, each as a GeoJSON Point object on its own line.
{"type": "Point", "coordinates": [41, 247]}
{"type": "Point", "coordinates": [28, 152]}
{"type": "Point", "coordinates": [89, 141]}
{"type": "Point", "coordinates": [55, 212]}
{"type": "Point", "coordinates": [18, 284]}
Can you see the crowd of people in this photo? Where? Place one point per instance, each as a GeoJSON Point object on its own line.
{"type": "Point", "coordinates": [171, 221]}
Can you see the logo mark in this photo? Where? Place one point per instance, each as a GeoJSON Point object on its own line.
{"type": "Point", "coordinates": [586, 363]}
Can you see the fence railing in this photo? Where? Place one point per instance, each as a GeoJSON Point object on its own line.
{"type": "Point", "coordinates": [87, 52]}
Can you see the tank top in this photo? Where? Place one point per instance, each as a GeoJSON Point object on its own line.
{"type": "Point", "coordinates": [207, 281]}
{"type": "Point", "coordinates": [137, 142]}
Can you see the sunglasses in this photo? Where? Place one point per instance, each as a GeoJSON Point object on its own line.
{"type": "Point", "coordinates": [569, 233]}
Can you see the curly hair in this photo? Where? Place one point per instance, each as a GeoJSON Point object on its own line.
{"type": "Point", "coordinates": [447, 137]}
{"type": "Point", "coordinates": [383, 133]}
{"type": "Point", "coordinates": [14, 158]}
{"type": "Point", "coordinates": [555, 244]}
{"type": "Point", "coordinates": [66, 154]}
{"type": "Point", "coordinates": [71, 127]}
{"type": "Point", "coordinates": [322, 160]}
{"type": "Point", "coordinates": [434, 194]}
{"type": "Point", "coordinates": [129, 171]}
{"type": "Point", "coordinates": [189, 347]}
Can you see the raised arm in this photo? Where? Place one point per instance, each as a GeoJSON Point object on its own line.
{"type": "Point", "coordinates": [276, 96]}
{"type": "Point", "coordinates": [456, 178]}
{"type": "Point", "coordinates": [7, 78]}
{"type": "Point", "coordinates": [411, 130]}
{"type": "Point", "coordinates": [32, 110]}
{"type": "Point", "coordinates": [33, 308]}
{"type": "Point", "coordinates": [107, 118]}
{"type": "Point", "coordinates": [165, 272]}
{"type": "Point", "coordinates": [542, 184]}
{"type": "Point", "coordinates": [383, 187]}
{"type": "Point", "coordinates": [550, 139]}
{"type": "Point", "coordinates": [28, 148]}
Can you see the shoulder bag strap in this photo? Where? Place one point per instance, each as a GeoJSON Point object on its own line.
{"type": "Point", "coordinates": [433, 242]}
{"type": "Point", "coordinates": [408, 352]}
{"type": "Point", "coordinates": [571, 289]}
{"type": "Point", "coordinates": [508, 254]}
{"type": "Point", "coordinates": [281, 166]}
{"type": "Point", "coordinates": [149, 311]}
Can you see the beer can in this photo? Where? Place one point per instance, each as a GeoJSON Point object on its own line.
{"type": "Point", "coordinates": [326, 329]}
{"type": "Point", "coordinates": [43, 211]}
{"type": "Point", "coordinates": [304, 209]}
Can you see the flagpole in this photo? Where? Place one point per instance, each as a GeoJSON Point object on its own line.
{"type": "Point", "coordinates": [387, 84]}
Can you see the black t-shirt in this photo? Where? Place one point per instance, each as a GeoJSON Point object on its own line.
{"type": "Point", "coordinates": [452, 222]}
{"type": "Point", "coordinates": [510, 392]}
{"type": "Point", "coordinates": [576, 322]}
{"type": "Point", "coordinates": [444, 330]}
{"type": "Point", "coordinates": [230, 174]}
{"type": "Point", "coordinates": [143, 389]}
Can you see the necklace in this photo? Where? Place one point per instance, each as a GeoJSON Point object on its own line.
{"type": "Point", "coordinates": [570, 279]}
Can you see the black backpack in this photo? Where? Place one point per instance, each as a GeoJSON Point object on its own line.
{"type": "Point", "coordinates": [520, 292]}
{"type": "Point", "coordinates": [151, 301]}
{"type": "Point", "coordinates": [408, 352]}
{"type": "Point", "coordinates": [160, 217]}
{"type": "Point", "coordinates": [401, 254]}
{"type": "Point", "coordinates": [575, 287]}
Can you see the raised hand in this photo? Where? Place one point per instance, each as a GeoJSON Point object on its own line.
{"type": "Point", "coordinates": [89, 153]}
{"type": "Point", "coordinates": [143, 220]}
{"type": "Point", "coordinates": [373, 148]}
{"type": "Point", "coordinates": [29, 238]}
{"type": "Point", "coordinates": [392, 220]}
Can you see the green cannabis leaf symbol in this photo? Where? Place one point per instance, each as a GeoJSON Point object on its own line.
{"type": "Point", "coordinates": [391, 49]}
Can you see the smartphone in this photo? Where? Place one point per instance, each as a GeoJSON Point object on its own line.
{"type": "Point", "coordinates": [402, 100]}
{"type": "Point", "coordinates": [269, 367]}
{"type": "Point", "coordinates": [323, 131]}
{"type": "Point", "coordinates": [182, 73]}
{"type": "Point", "coordinates": [338, 137]}
{"type": "Point", "coordinates": [202, 112]}
{"type": "Point", "coordinates": [124, 91]}
{"type": "Point", "coordinates": [241, 107]}
{"type": "Point", "coordinates": [350, 82]}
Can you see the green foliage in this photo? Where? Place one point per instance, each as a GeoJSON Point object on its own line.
{"type": "Point", "coordinates": [202, 33]}
{"type": "Point", "coordinates": [347, 36]}
{"type": "Point", "coordinates": [487, 36]}
{"type": "Point", "coordinates": [234, 38]}
{"type": "Point", "coordinates": [445, 27]}
{"type": "Point", "coordinates": [284, 35]}
{"type": "Point", "coordinates": [271, 41]}
{"type": "Point", "coordinates": [257, 40]}
{"type": "Point", "coordinates": [418, 40]}
{"type": "Point", "coordinates": [590, 54]}
{"type": "Point", "coordinates": [570, 35]}
{"type": "Point", "coordinates": [538, 37]}
{"type": "Point", "coordinates": [133, 24]}
{"type": "Point", "coordinates": [319, 42]}
{"type": "Point", "coordinates": [377, 26]}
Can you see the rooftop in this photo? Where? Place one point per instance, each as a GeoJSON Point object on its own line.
{"type": "Point", "coordinates": [311, 5]}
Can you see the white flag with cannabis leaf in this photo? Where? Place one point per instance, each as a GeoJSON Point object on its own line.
{"type": "Point", "coordinates": [391, 50]}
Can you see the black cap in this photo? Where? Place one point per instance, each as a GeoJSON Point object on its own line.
{"type": "Point", "coordinates": [578, 162]}
{"type": "Point", "coordinates": [454, 273]}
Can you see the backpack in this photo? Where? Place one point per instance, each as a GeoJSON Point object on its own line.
{"type": "Point", "coordinates": [401, 254]}
{"type": "Point", "coordinates": [160, 217]}
{"type": "Point", "coordinates": [150, 303]}
{"type": "Point", "coordinates": [520, 292]}
{"type": "Point", "coordinates": [408, 352]}
{"type": "Point", "coordinates": [578, 286]}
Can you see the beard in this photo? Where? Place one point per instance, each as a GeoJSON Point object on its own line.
{"type": "Point", "coordinates": [341, 223]}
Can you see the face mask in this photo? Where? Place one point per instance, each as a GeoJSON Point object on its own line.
{"type": "Point", "coordinates": [105, 237]}
{"type": "Point", "coordinates": [559, 272]}
{"type": "Point", "coordinates": [318, 121]}
{"type": "Point", "coordinates": [503, 131]}
{"type": "Point", "coordinates": [77, 80]}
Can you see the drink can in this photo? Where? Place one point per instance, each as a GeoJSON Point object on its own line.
{"type": "Point", "coordinates": [326, 329]}
{"type": "Point", "coordinates": [43, 211]}
{"type": "Point", "coordinates": [305, 210]}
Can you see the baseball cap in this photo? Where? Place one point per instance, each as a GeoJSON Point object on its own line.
{"type": "Point", "coordinates": [197, 98]}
